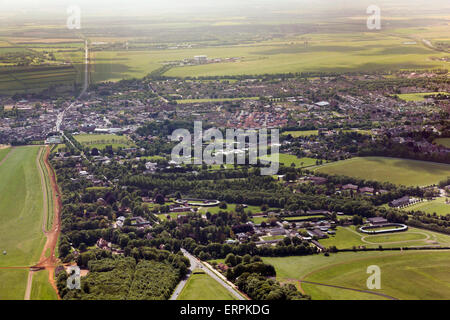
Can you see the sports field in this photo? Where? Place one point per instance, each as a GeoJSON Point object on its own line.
{"type": "Point", "coordinates": [100, 141]}
{"type": "Point", "coordinates": [348, 237]}
{"type": "Point", "coordinates": [404, 274]}
{"type": "Point", "coordinates": [398, 171]}
{"type": "Point", "coordinates": [201, 286]}
{"type": "Point", "coordinates": [438, 206]}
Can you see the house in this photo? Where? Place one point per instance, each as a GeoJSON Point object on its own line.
{"type": "Point", "coordinates": [316, 233]}
{"type": "Point", "coordinates": [349, 187]}
{"type": "Point", "coordinates": [318, 180]}
{"type": "Point", "coordinates": [139, 222]}
{"type": "Point", "coordinates": [277, 231]}
{"type": "Point", "coordinates": [103, 244]}
{"type": "Point", "coordinates": [377, 221]}
{"type": "Point", "coordinates": [367, 190]}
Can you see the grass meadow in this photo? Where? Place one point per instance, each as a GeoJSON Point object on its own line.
{"type": "Point", "coordinates": [201, 286]}
{"type": "Point", "coordinates": [398, 171]}
{"type": "Point", "coordinates": [21, 221]}
{"type": "Point", "coordinates": [404, 274]}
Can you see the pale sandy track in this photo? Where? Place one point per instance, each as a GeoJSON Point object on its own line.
{"type": "Point", "coordinates": [29, 283]}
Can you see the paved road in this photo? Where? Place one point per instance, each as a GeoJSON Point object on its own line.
{"type": "Point", "coordinates": [60, 117]}
{"type": "Point", "coordinates": [197, 264]}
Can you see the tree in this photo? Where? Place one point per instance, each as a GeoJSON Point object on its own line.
{"type": "Point", "coordinates": [230, 260]}
{"type": "Point", "coordinates": [159, 199]}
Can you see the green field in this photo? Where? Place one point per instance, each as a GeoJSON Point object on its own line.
{"type": "Point", "coordinates": [100, 141]}
{"type": "Point", "coordinates": [404, 275]}
{"type": "Point", "coordinates": [288, 159]}
{"type": "Point", "coordinates": [21, 218]}
{"type": "Point", "coordinates": [443, 142]}
{"type": "Point", "coordinates": [398, 171]}
{"type": "Point", "coordinates": [35, 79]}
{"type": "Point", "coordinates": [21, 206]}
{"type": "Point", "coordinates": [437, 206]}
{"type": "Point", "coordinates": [348, 237]}
{"type": "Point", "coordinates": [13, 284]}
{"type": "Point", "coordinates": [3, 153]}
{"type": "Point", "coordinates": [41, 288]}
{"type": "Point", "coordinates": [324, 52]}
{"type": "Point", "coordinates": [296, 134]}
{"type": "Point", "coordinates": [201, 286]}
{"type": "Point", "coordinates": [417, 96]}
{"type": "Point", "coordinates": [214, 100]}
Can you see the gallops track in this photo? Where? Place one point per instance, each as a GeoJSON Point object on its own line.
{"type": "Point", "coordinates": [48, 263]}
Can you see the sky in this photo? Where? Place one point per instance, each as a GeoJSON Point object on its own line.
{"type": "Point", "coordinates": [159, 7]}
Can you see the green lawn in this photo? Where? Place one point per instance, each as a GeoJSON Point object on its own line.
{"type": "Point", "coordinates": [301, 218]}
{"type": "Point", "coordinates": [437, 206]}
{"type": "Point", "coordinates": [269, 238]}
{"type": "Point", "coordinates": [416, 96]}
{"type": "Point", "coordinates": [3, 153]}
{"type": "Point", "coordinates": [201, 286]}
{"type": "Point", "coordinates": [297, 134]}
{"type": "Point", "coordinates": [21, 218]}
{"type": "Point", "coordinates": [443, 142]}
{"type": "Point", "coordinates": [13, 284]}
{"type": "Point", "coordinates": [398, 171]}
{"type": "Point", "coordinates": [288, 159]}
{"type": "Point", "coordinates": [100, 141]}
{"type": "Point", "coordinates": [41, 288]}
{"type": "Point", "coordinates": [404, 275]}
{"type": "Point", "coordinates": [184, 101]}
{"type": "Point", "coordinates": [21, 208]}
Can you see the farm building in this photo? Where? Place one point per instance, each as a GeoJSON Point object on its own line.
{"type": "Point", "coordinates": [403, 201]}
{"type": "Point", "coordinates": [377, 221]}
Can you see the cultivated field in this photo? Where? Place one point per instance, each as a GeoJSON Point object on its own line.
{"type": "Point", "coordinates": [201, 286]}
{"type": "Point", "coordinates": [398, 171]}
{"type": "Point", "coordinates": [404, 275]}
{"type": "Point", "coordinates": [324, 52]}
